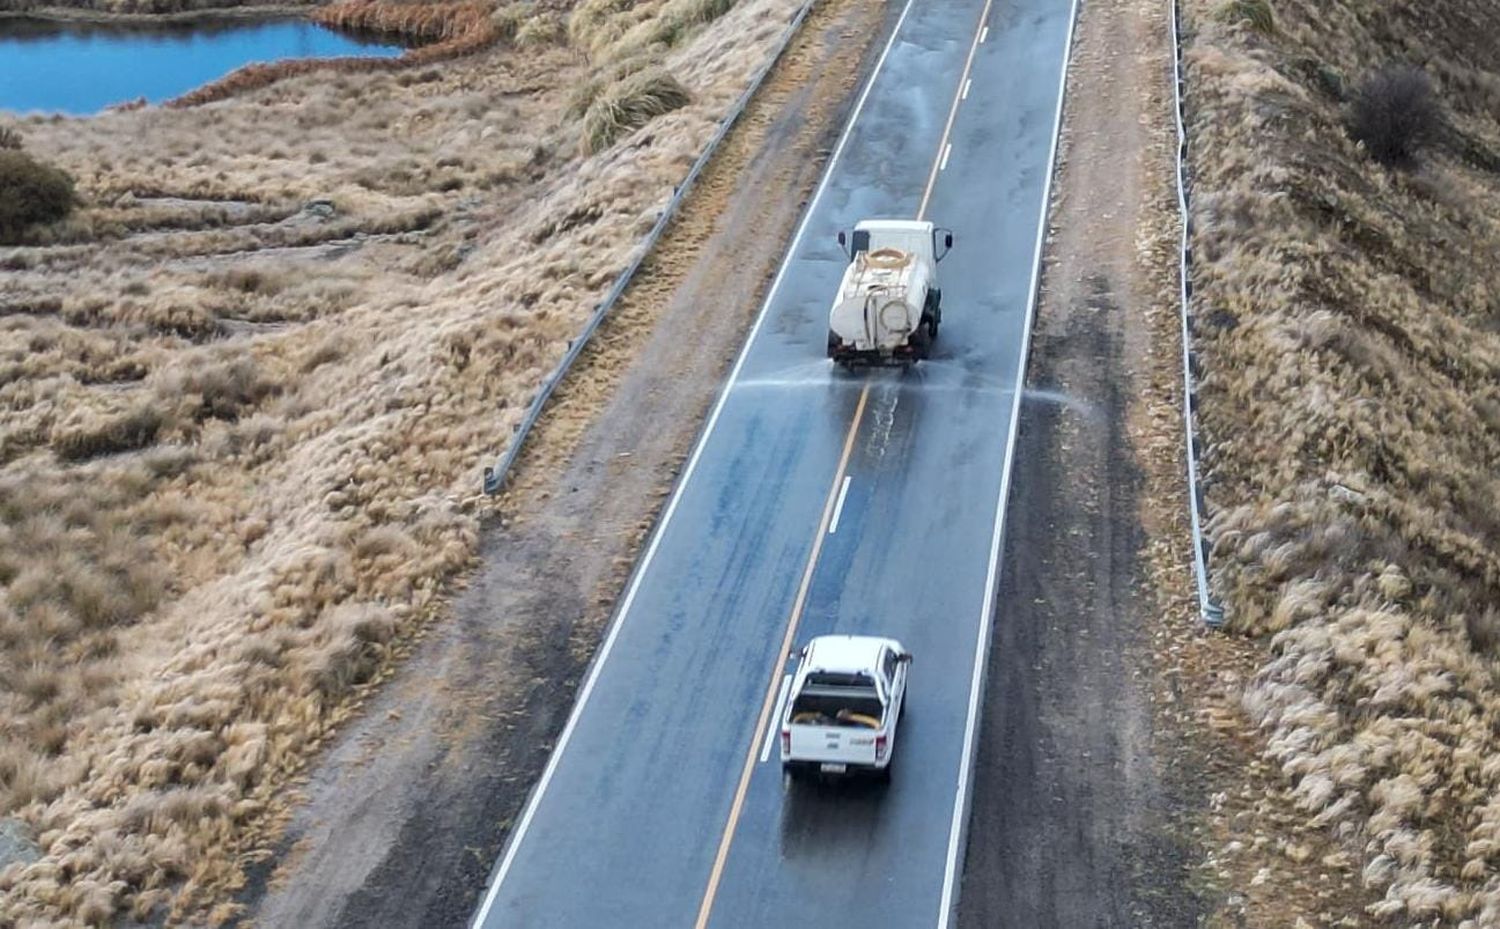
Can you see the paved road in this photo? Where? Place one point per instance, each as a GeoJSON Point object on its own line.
{"type": "Point", "coordinates": [656, 808]}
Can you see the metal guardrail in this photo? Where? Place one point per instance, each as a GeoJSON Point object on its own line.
{"type": "Point", "coordinates": [494, 477]}
{"type": "Point", "coordinates": [1211, 612]}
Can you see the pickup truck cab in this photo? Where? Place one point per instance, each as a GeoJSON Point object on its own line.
{"type": "Point", "coordinates": [843, 706]}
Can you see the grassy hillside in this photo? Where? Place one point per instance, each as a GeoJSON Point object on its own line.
{"type": "Point", "coordinates": [246, 391]}
{"type": "Point", "coordinates": [1351, 405]}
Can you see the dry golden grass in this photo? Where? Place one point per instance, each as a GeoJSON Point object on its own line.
{"type": "Point", "coordinates": [1352, 411]}
{"type": "Point", "coordinates": [247, 393]}
{"type": "Point", "coordinates": [628, 105]}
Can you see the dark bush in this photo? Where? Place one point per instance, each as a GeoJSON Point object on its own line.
{"type": "Point", "coordinates": [10, 139]}
{"type": "Point", "coordinates": [1394, 113]}
{"type": "Point", "coordinates": [30, 193]}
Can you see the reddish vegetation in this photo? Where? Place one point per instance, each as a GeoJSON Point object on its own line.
{"type": "Point", "coordinates": [455, 29]}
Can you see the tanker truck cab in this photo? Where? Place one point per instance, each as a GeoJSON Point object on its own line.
{"type": "Point", "coordinates": [889, 305]}
{"type": "Point", "coordinates": [844, 706]}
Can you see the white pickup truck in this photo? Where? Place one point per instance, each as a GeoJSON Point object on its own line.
{"type": "Point", "coordinates": [889, 304]}
{"type": "Point", "coordinates": [844, 705]}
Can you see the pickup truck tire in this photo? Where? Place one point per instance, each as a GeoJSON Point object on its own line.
{"type": "Point", "coordinates": [883, 775]}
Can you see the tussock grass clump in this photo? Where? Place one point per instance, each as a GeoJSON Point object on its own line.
{"type": "Point", "coordinates": [89, 435]}
{"type": "Point", "coordinates": [630, 104]}
{"type": "Point", "coordinates": [1257, 14]}
{"type": "Point", "coordinates": [509, 17]}
{"type": "Point", "coordinates": [541, 29]}
{"type": "Point", "coordinates": [1394, 113]}
{"type": "Point", "coordinates": [10, 139]}
{"type": "Point", "coordinates": [218, 386]}
{"type": "Point", "coordinates": [612, 30]}
{"type": "Point", "coordinates": [31, 194]}
{"type": "Point", "coordinates": [1352, 423]}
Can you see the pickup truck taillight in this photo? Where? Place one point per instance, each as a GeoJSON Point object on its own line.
{"type": "Point", "coordinates": [786, 741]}
{"type": "Point", "coordinates": [879, 747]}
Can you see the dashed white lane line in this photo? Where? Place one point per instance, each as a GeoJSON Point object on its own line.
{"type": "Point", "coordinates": [838, 508]}
{"type": "Point", "coordinates": [765, 751]}
{"type": "Point", "coordinates": [984, 34]}
{"type": "Point", "coordinates": [947, 150]}
{"type": "Point", "coordinates": [969, 82]}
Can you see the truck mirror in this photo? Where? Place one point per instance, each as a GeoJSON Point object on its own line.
{"type": "Point", "coordinates": [802, 652]}
{"type": "Point", "coordinates": [947, 243]}
{"type": "Point", "coordinates": [948, 240]}
{"type": "Point", "coordinates": [843, 246]}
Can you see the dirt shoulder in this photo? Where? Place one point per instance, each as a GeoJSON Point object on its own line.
{"type": "Point", "coordinates": [407, 812]}
{"type": "Point", "coordinates": [1118, 782]}
{"type": "Point", "coordinates": [1076, 820]}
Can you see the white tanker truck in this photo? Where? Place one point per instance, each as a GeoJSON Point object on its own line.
{"type": "Point", "coordinates": [889, 305]}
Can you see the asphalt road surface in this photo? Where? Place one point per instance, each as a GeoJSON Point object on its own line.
{"type": "Point", "coordinates": [822, 502]}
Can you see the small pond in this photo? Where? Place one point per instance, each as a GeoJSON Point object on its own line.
{"type": "Point", "coordinates": [75, 68]}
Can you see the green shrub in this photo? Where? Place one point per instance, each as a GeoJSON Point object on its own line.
{"type": "Point", "coordinates": [10, 139]}
{"type": "Point", "coordinates": [629, 105]}
{"type": "Point", "coordinates": [30, 193]}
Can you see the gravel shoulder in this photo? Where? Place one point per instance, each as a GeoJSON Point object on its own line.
{"type": "Point", "coordinates": [405, 814]}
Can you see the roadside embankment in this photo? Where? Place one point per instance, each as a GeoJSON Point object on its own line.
{"type": "Point", "coordinates": [1343, 156]}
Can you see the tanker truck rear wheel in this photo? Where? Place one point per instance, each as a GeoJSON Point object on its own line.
{"type": "Point", "coordinates": [921, 341]}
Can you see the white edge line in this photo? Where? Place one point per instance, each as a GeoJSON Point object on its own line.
{"type": "Point", "coordinates": [958, 826]}
{"type": "Point", "coordinates": [838, 508]}
{"type": "Point", "coordinates": [765, 752]}
{"type": "Point", "coordinates": [513, 843]}
{"type": "Point", "coordinates": [967, 83]}
{"type": "Point", "coordinates": [947, 150]}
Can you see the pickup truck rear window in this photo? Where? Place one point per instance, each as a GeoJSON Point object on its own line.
{"type": "Point", "coordinates": [840, 679]}
{"type": "Point", "coordinates": [837, 706]}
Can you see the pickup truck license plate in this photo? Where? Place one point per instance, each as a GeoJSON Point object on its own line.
{"type": "Point", "coordinates": [831, 767]}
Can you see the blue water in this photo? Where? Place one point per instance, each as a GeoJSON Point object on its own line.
{"type": "Point", "coordinates": [66, 68]}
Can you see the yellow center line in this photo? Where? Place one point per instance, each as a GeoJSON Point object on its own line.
{"type": "Point", "coordinates": [958, 96]}
{"type": "Point", "coordinates": [768, 704]}
{"type": "Point", "coordinates": [705, 909]}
